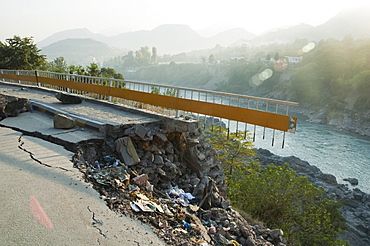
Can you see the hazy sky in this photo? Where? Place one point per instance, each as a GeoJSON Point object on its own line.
{"type": "Point", "coordinates": [41, 18]}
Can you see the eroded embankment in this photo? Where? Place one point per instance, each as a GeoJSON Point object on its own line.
{"type": "Point", "coordinates": [168, 178]}
{"type": "Point", "coordinates": [172, 181]}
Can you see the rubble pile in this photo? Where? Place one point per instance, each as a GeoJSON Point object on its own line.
{"type": "Point", "coordinates": [12, 106]}
{"type": "Point", "coordinates": [171, 181]}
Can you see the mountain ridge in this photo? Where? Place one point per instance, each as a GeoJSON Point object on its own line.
{"type": "Point", "coordinates": [180, 38]}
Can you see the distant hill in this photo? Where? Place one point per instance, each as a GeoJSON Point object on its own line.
{"type": "Point", "coordinates": [287, 35]}
{"type": "Point", "coordinates": [355, 22]}
{"type": "Point", "coordinates": [80, 51]}
{"type": "Point", "coordinates": [168, 39]}
{"type": "Point", "coordinates": [228, 37]}
{"type": "Point", "coordinates": [175, 39]}
{"type": "Point", "coordinates": [72, 33]}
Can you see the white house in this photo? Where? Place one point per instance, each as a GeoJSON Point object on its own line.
{"type": "Point", "coordinates": [294, 59]}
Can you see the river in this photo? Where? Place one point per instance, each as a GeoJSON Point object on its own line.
{"type": "Point", "coordinates": [340, 153]}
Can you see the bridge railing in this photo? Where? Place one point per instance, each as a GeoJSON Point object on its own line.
{"type": "Point", "coordinates": [238, 111]}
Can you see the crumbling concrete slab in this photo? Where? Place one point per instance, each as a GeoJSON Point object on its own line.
{"type": "Point", "coordinates": [37, 122]}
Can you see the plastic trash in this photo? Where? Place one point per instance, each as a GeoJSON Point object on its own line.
{"type": "Point", "coordinates": [115, 163]}
{"type": "Point", "coordinates": [212, 230]}
{"type": "Point", "coordinates": [107, 159]}
{"type": "Point", "coordinates": [203, 244]}
{"type": "Point", "coordinates": [166, 210]}
{"type": "Point", "coordinates": [186, 225]}
{"type": "Point", "coordinates": [141, 179]}
{"type": "Point", "coordinates": [133, 188]}
{"type": "Point", "coordinates": [97, 164]}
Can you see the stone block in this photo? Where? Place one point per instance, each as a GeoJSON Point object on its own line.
{"type": "Point", "coordinates": [12, 106]}
{"type": "Point", "coordinates": [127, 151]}
{"type": "Point", "coordinates": [62, 121]}
{"type": "Point", "coordinates": [141, 131]}
{"type": "Point", "coordinates": [68, 98]}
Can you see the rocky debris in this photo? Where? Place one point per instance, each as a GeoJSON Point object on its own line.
{"type": "Point", "coordinates": [62, 121]}
{"type": "Point", "coordinates": [175, 185]}
{"type": "Point", "coordinates": [68, 98]}
{"type": "Point", "coordinates": [12, 106]}
{"type": "Point", "coordinates": [127, 151]}
{"type": "Point", "coordinates": [356, 204]}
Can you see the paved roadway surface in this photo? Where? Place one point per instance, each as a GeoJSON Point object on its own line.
{"type": "Point", "coordinates": [43, 199]}
{"type": "Point", "coordinates": [89, 109]}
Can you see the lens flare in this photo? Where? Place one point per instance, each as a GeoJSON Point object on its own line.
{"type": "Point", "coordinates": [258, 79]}
{"type": "Point", "coordinates": [308, 47]}
{"type": "Point", "coordinates": [266, 74]}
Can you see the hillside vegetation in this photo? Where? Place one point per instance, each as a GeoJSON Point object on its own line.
{"type": "Point", "coordinates": [337, 74]}
{"type": "Point", "coordinates": [333, 76]}
{"type": "Point", "coordinates": [276, 195]}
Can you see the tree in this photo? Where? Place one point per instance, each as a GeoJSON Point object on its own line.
{"type": "Point", "coordinates": [233, 150]}
{"type": "Point", "coordinates": [93, 70]}
{"type": "Point", "coordinates": [80, 70]}
{"type": "Point", "coordinates": [277, 56]}
{"type": "Point", "coordinates": [59, 65]}
{"type": "Point", "coordinates": [20, 53]}
{"type": "Point", "coordinates": [129, 59]}
{"type": "Point", "coordinates": [154, 55]}
{"type": "Point", "coordinates": [211, 59]}
{"type": "Point", "coordinates": [110, 73]}
{"type": "Point", "coordinates": [143, 56]}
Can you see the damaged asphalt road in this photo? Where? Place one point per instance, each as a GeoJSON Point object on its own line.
{"type": "Point", "coordinates": [44, 201]}
{"type": "Point", "coordinates": [161, 173]}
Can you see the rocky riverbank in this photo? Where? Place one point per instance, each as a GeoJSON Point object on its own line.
{"type": "Point", "coordinates": [344, 120]}
{"type": "Point", "coordinates": [356, 203]}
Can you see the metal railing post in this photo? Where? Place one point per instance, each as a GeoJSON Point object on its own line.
{"type": "Point", "coordinates": [177, 96]}
{"type": "Point", "coordinates": [67, 78]}
{"type": "Point", "coordinates": [37, 78]}
{"type": "Point", "coordinates": [110, 85]}
{"type": "Point", "coordinates": [17, 73]}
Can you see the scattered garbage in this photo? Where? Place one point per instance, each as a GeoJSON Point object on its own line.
{"type": "Point", "coordinates": [141, 179]}
{"type": "Point", "coordinates": [145, 179]}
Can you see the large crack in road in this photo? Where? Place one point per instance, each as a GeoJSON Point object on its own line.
{"type": "Point", "coordinates": [32, 156]}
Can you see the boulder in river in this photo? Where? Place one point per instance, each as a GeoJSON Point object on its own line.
{"type": "Point", "coordinates": [352, 181]}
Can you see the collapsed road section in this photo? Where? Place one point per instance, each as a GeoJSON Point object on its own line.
{"type": "Point", "coordinates": [162, 173]}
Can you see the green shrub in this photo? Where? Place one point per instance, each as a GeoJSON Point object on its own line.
{"type": "Point", "coordinates": [276, 196]}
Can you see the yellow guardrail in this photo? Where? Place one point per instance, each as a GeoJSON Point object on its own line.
{"type": "Point", "coordinates": [266, 119]}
